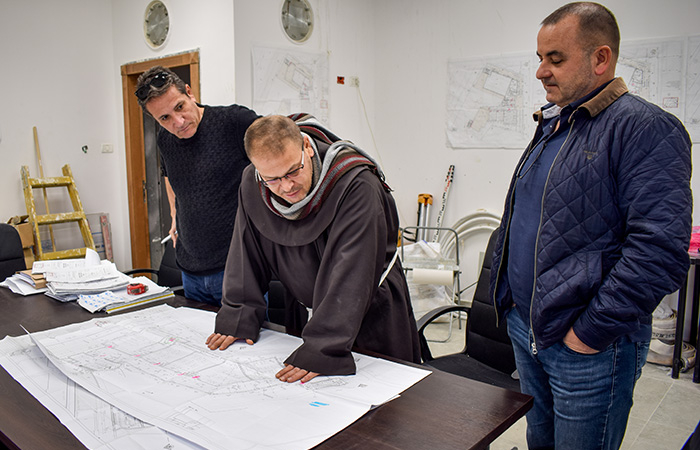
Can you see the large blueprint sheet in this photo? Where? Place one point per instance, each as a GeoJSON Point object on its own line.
{"type": "Point", "coordinates": [153, 364]}
{"type": "Point", "coordinates": [96, 423]}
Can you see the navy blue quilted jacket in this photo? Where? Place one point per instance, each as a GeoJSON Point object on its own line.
{"type": "Point", "coordinates": [615, 224]}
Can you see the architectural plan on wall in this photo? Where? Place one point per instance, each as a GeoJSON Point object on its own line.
{"type": "Point", "coordinates": [654, 71]}
{"type": "Point", "coordinates": [153, 365]}
{"type": "Point", "coordinates": [287, 82]}
{"type": "Point", "coordinates": [692, 88]}
{"type": "Point", "coordinates": [96, 423]}
{"type": "Point", "coordinates": [490, 101]}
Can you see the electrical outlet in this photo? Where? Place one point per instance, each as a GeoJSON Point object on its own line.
{"type": "Point", "coordinates": [354, 81]}
{"type": "Point", "coordinates": [107, 148]}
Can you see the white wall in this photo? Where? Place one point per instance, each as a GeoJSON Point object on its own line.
{"type": "Point", "coordinates": [413, 45]}
{"type": "Point", "coordinates": [400, 49]}
{"type": "Point", "coordinates": [58, 75]}
{"type": "Point", "coordinates": [345, 30]}
{"type": "Point", "coordinates": [61, 74]}
{"type": "Point", "coordinates": [205, 26]}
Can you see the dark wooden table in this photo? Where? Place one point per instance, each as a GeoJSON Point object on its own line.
{"type": "Point", "coordinates": [442, 411]}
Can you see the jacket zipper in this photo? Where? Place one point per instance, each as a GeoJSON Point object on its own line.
{"type": "Point", "coordinates": [539, 229]}
{"type": "Point", "coordinates": [510, 209]}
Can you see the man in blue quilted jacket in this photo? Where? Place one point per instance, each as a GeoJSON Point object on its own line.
{"type": "Point", "coordinates": [595, 232]}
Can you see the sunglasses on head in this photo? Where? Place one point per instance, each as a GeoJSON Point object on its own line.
{"type": "Point", "coordinates": [158, 81]}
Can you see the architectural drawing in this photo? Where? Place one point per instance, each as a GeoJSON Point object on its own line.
{"type": "Point", "coordinates": [654, 71]}
{"type": "Point", "coordinates": [286, 82]}
{"type": "Point", "coordinates": [96, 423]}
{"type": "Point", "coordinates": [153, 364]}
{"type": "Point", "coordinates": [490, 102]}
{"type": "Point", "coordinates": [692, 89]}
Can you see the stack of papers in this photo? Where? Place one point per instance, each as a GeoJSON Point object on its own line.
{"type": "Point", "coordinates": [119, 299]}
{"type": "Point", "coordinates": [60, 288]}
{"type": "Point", "coordinates": [37, 280]}
{"type": "Point", "coordinates": [19, 285]}
{"type": "Point", "coordinates": [96, 285]}
{"type": "Point", "coordinates": [71, 277]}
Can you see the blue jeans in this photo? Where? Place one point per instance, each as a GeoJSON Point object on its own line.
{"type": "Point", "coordinates": [203, 288]}
{"type": "Point", "coordinates": [581, 402]}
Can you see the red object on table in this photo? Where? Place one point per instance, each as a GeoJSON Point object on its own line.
{"type": "Point", "coordinates": [136, 288]}
{"type": "Point", "coordinates": [694, 246]}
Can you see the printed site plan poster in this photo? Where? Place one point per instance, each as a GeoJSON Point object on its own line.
{"type": "Point", "coordinates": [490, 101]}
{"type": "Point", "coordinates": [287, 82]}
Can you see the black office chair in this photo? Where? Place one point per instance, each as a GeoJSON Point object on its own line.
{"type": "Point", "coordinates": [285, 310]}
{"type": "Point", "coordinates": [168, 273]}
{"type": "Point", "coordinates": [488, 353]}
{"type": "Point", "coordinates": [11, 252]}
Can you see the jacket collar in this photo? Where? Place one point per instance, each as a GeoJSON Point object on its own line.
{"type": "Point", "coordinates": [614, 90]}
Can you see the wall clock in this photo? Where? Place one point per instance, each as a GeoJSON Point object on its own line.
{"type": "Point", "coordinates": [297, 20]}
{"type": "Point", "coordinates": [156, 24]}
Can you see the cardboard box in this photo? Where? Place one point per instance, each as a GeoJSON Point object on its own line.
{"type": "Point", "coordinates": [25, 234]}
{"type": "Point", "coordinates": [29, 257]}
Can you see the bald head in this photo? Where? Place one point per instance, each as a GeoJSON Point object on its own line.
{"type": "Point", "coordinates": [270, 135]}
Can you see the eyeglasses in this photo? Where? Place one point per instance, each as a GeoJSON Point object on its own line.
{"type": "Point", "coordinates": [158, 81]}
{"type": "Point", "coordinates": [272, 182]}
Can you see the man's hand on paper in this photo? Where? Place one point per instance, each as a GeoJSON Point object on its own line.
{"type": "Point", "coordinates": [291, 374]}
{"type": "Point", "coordinates": [222, 341]}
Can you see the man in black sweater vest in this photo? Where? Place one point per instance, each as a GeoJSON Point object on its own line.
{"type": "Point", "coordinates": [202, 158]}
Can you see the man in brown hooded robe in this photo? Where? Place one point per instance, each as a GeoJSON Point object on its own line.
{"type": "Point", "coordinates": [314, 212]}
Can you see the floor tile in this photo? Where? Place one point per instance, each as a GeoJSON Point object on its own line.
{"type": "Point", "coordinates": [656, 436]}
{"type": "Point", "coordinates": [634, 429]}
{"type": "Point", "coordinates": [680, 407]}
{"type": "Point", "coordinates": [512, 437]}
{"type": "Point", "coordinates": [648, 394]}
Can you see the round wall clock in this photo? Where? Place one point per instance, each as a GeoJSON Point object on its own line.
{"type": "Point", "coordinates": [156, 24]}
{"type": "Point", "coordinates": [297, 20]}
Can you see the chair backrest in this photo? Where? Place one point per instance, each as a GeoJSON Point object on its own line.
{"type": "Point", "coordinates": [284, 309]}
{"type": "Point", "coordinates": [169, 274]}
{"type": "Point", "coordinates": [486, 342]}
{"type": "Point", "coordinates": [11, 252]}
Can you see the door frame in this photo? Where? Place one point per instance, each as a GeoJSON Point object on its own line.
{"type": "Point", "coordinates": [135, 160]}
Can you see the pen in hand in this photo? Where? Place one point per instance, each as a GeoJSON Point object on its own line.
{"type": "Point", "coordinates": [167, 238]}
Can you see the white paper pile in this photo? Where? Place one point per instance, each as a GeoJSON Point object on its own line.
{"type": "Point", "coordinates": [118, 299]}
{"type": "Point", "coordinates": [96, 285]}
{"type": "Point", "coordinates": [69, 278]}
{"type": "Point", "coordinates": [17, 284]}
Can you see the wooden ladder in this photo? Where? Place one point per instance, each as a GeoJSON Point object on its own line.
{"type": "Point", "coordinates": [78, 215]}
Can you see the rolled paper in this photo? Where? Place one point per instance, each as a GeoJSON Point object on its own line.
{"type": "Point", "coordinates": [433, 276]}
